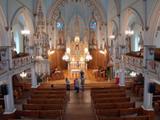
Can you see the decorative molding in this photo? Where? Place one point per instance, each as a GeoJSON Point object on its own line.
{"type": "Point", "coordinates": [92, 4]}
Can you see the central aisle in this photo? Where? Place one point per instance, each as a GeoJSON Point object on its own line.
{"type": "Point", "coordinates": [79, 106]}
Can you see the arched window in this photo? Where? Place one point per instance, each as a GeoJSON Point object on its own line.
{"type": "Point", "coordinates": [93, 23]}
{"type": "Point", "coordinates": [60, 23]}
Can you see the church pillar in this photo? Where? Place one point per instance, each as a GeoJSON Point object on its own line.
{"type": "Point", "coordinates": [122, 73]}
{"type": "Point", "coordinates": [114, 58]}
{"type": "Point", "coordinates": [34, 78]}
{"type": "Point", "coordinates": [10, 58]}
{"type": "Point", "coordinates": [147, 97]}
{"type": "Point", "coordinates": [8, 97]}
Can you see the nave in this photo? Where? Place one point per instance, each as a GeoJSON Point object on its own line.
{"type": "Point", "coordinates": [115, 42]}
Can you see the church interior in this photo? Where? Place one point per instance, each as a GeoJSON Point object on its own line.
{"type": "Point", "coordinates": [79, 60]}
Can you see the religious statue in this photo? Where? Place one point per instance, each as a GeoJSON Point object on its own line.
{"type": "Point", "coordinates": [93, 39]}
{"type": "Point", "coordinates": [61, 38]}
{"type": "Point", "coordinates": [128, 43]}
{"type": "Point", "coordinates": [140, 41]}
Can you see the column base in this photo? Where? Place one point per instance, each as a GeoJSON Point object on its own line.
{"type": "Point", "coordinates": [6, 113]}
{"type": "Point", "coordinates": [35, 86]}
{"type": "Point", "coordinates": [121, 85]}
{"type": "Point", "coordinates": [147, 109]}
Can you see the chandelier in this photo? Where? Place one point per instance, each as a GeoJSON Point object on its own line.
{"type": "Point", "coordinates": [66, 57]}
{"type": "Point", "coordinates": [23, 74]}
{"type": "Point", "coordinates": [50, 52]}
{"type": "Point", "coordinates": [88, 57]}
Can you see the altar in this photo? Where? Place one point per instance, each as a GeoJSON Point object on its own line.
{"type": "Point", "coordinates": [75, 73]}
{"type": "Point", "coordinates": [77, 53]}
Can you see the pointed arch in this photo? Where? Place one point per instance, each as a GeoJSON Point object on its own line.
{"type": "Point", "coordinates": [153, 22]}
{"type": "Point", "coordinates": [57, 4]}
{"type": "Point", "coordinates": [130, 12]}
{"type": "Point", "coordinates": [3, 32]}
{"type": "Point", "coordinates": [114, 23]}
{"type": "Point", "coordinates": [117, 3]}
{"type": "Point", "coordinates": [27, 15]}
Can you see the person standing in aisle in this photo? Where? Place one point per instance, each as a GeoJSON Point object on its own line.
{"type": "Point", "coordinates": [82, 80]}
{"type": "Point", "coordinates": [67, 84]}
{"type": "Point", "coordinates": [76, 85]}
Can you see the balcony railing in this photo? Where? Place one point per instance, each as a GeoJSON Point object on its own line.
{"type": "Point", "coordinates": [154, 67]}
{"type": "Point", "coordinates": [21, 61]}
{"type": "Point", "coordinates": [3, 67]}
{"type": "Point", "coordinates": [133, 61]}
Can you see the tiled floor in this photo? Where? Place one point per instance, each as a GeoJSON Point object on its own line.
{"type": "Point", "coordinates": [79, 107]}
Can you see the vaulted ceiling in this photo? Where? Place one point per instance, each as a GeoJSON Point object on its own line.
{"type": "Point", "coordinates": [103, 4]}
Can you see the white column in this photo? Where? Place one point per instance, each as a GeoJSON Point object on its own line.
{"type": "Point", "coordinates": [10, 58]}
{"type": "Point", "coordinates": [147, 97]}
{"type": "Point", "coordinates": [34, 78]}
{"type": "Point", "coordinates": [9, 99]}
{"type": "Point", "coordinates": [122, 73]}
{"type": "Point", "coordinates": [114, 58]}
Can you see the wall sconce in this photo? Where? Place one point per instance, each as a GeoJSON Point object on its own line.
{"type": "Point", "coordinates": [129, 32]}
{"type": "Point", "coordinates": [66, 57]}
{"type": "Point", "coordinates": [50, 52]}
{"type": "Point", "coordinates": [25, 32]}
{"type": "Point", "coordinates": [23, 74]}
{"type": "Point", "coordinates": [88, 57]}
{"type": "Point", "coordinates": [112, 37]}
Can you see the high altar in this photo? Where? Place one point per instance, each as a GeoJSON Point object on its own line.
{"type": "Point", "coordinates": [77, 54]}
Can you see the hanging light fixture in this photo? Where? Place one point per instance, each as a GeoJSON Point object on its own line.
{"type": "Point", "coordinates": [88, 57]}
{"type": "Point", "coordinates": [129, 32]}
{"type": "Point", "coordinates": [23, 74]}
{"type": "Point", "coordinates": [66, 57]}
{"type": "Point", "coordinates": [25, 32]}
{"type": "Point", "coordinates": [112, 36]}
{"type": "Point", "coordinates": [50, 52]}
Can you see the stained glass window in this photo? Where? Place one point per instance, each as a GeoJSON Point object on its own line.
{"type": "Point", "coordinates": [60, 25]}
{"type": "Point", "coordinates": [93, 25]}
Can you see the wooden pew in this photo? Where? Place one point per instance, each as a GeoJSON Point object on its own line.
{"type": "Point", "coordinates": [114, 105]}
{"type": "Point", "coordinates": [48, 96]}
{"type": "Point", "coordinates": [103, 90]}
{"type": "Point", "coordinates": [126, 118]}
{"type": "Point", "coordinates": [43, 107]}
{"type": "Point", "coordinates": [27, 113]}
{"type": "Point", "coordinates": [48, 92]}
{"type": "Point", "coordinates": [117, 112]}
{"type": "Point", "coordinates": [48, 114]}
{"type": "Point", "coordinates": [108, 95]}
{"type": "Point", "coordinates": [44, 101]}
{"type": "Point", "coordinates": [110, 100]}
